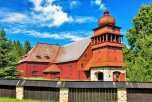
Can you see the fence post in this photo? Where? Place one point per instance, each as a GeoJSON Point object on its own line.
{"type": "Point", "coordinates": [19, 92]}
{"type": "Point", "coordinates": [122, 94]}
{"type": "Point", "coordinates": [64, 94]}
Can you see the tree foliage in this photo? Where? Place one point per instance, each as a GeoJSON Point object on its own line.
{"type": "Point", "coordinates": [139, 56]}
{"type": "Point", "coordinates": [10, 53]}
{"type": "Point", "coordinates": [27, 46]}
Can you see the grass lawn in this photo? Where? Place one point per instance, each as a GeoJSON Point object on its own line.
{"type": "Point", "coordinates": [15, 100]}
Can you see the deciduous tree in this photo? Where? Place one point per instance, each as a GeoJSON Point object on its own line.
{"type": "Point", "coordinates": [139, 56]}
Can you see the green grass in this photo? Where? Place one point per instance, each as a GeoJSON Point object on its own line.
{"type": "Point", "coordinates": [15, 100]}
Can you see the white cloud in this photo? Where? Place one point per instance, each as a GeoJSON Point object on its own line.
{"type": "Point", "coordinates": [42, 35]}
{"type": "Point", "coordinates": [84, 19]}
{"type": "Point", "coordinates": [49, 14]}
{"type": "Point", "coordinates": [14, 17]}
{"type": "Point", "coordinates": [98, 3]}
{"type": "Point", "coordinates": [59, 35]}
{"type": "Point", "coordinates": [74, 3]}
{"type": "Point", "coordinates": [43, 13]}
{"type": "Point", "coordinates": [71, 35]}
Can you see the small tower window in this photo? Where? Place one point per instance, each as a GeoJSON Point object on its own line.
{"type": "Point", "coordinates": [98, 39]}
{"type": "Point", "coordinates": [109, 37]}
{"type": "Point", "coordinates": [95, 40]}
{"type": "Point", "coordinates": [113, 38]}
{"type": "Point", "coordinates": [104, 37]}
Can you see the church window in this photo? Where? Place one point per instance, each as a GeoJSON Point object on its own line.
{"type": "Point", "coordinates": [100, 76]}
{"type": "Point", "coordinates": [35, 73]}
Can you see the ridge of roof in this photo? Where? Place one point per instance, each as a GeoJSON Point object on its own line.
{"type": "Point", "coordinates": [47, 44]}
{"type": "Point", "coordinates": [76, 41]}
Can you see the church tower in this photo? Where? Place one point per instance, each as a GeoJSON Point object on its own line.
{"type": "Point", "coordinates": [107, 43]}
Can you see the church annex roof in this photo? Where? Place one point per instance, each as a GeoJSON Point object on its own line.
{"type": "Point", "coordinates": [52, 68]}
{"type": "Point", "coordinates": [56, 54]}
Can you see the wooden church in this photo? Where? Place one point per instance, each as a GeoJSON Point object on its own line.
{"type": "Point", "coordinates": [97, 58]}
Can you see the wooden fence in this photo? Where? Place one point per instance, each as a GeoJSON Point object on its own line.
{"type": "Point", "coordinates": [92, 95]}
{"type": "Point", "coordinates": [7, 91]}
{"type": "Point", "coordinates": [76, 91]}
{"type": "Point", "coordinates": [41, 93]}
{"type": "Point", "coordinates": [139, 95]}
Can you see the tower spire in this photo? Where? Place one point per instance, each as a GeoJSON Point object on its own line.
{"type": "Point", "coordinates": [106, 12]}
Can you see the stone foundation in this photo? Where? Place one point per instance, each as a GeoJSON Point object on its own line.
{"type": "Point", "coordinates": [122, 95]}
{"type": "Point", "coordinates": [64, 94]}
{"type": "Point", "coordinates": [19, 92]}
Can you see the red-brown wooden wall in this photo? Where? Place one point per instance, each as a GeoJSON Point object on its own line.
{"type": "Point", "coordinates": [27, 68]}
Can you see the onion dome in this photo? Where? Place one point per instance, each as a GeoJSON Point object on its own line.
{"type": "Point", "coordinates": [106, 19]}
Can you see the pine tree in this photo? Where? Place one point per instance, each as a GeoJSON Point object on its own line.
{"type": "Point", "coordinates": [139, 56]}
{"type": "Point", "coordinates": [7, 63]}
{"type": "Point", "coordinates": [18, 50]}
{"type": "Point", "coordinates": [27, 47]}
{"type": "Point", "coordinates": [3, 49]}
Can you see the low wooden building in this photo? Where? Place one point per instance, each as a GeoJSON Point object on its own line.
{"type": "Point", "coordinates": [97, 58]}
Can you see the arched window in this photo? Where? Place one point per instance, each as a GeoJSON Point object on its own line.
{"type": "Point", "coordinates": [100, 76]}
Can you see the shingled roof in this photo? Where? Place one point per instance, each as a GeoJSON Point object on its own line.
{"type": "Point", "coordinates": [72, 51]}
{"type": "Point", "coordinates": [56, 54]}
{"type": "Point", "coordinates": [41, 53]}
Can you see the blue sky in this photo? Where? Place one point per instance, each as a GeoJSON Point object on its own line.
{"type": "Point", "coordinates": [62, 21]}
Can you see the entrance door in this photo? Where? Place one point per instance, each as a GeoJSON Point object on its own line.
{"type": "Point", "coordinates": [116, 76]}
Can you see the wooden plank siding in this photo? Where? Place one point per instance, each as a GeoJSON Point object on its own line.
{"type": "Point", "coordinates": [8, 91]}
{"type": "Point", "coordinates": [92, 95]}
{"type": "Point", "coordinates": [41, 93]}
{"type": "Point", "coordinates": [139, 95]}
